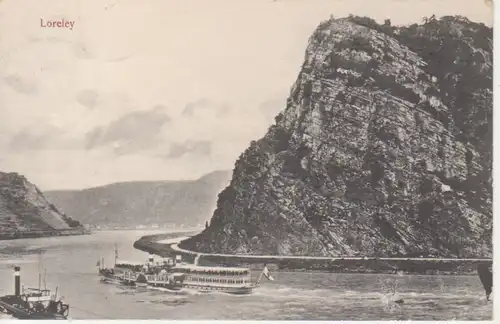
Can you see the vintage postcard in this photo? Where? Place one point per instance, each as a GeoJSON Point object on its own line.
{"type": "Point", "coordinates": [246, 159]}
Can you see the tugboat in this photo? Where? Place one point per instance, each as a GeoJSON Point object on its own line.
{"type": "Point", "coordinates": [121, 273]}
{"type": "Point", "coordinates": [32, 303]}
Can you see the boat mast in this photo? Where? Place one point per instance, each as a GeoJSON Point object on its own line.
{"type": "Point", "coordinates": [39, 271]}
{"type": "Point", "coordinates": [45, 278]}
{"type": "Point", "coordinates": [116, 253]}
{"type": "Point", "coordinates": [260, 277]}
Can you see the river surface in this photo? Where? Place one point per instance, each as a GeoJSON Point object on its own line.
{"type": "Point", "coordinates": [70, 264]}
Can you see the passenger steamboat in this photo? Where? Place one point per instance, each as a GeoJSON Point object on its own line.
{"type": "Point", "coordinates": [149, 274]}
{"type": "Point", "coordinates": [173, 274]}
{"type": "Point", "coordinates": [229, 280]}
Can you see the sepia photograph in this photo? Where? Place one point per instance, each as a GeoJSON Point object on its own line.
{"type": "Point", "coordinates": [246, 160]}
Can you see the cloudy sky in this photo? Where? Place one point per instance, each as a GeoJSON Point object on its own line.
{"type": "Point", "coordinates": [157, 89]}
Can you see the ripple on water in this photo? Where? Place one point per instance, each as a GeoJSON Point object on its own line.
{"type": "Point", "coordinates": [171, 302]}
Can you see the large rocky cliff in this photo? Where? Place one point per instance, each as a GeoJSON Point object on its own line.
{"type": "Point", "coordinates": [24, 211]}
{"type": "Point", "coordinates": [384, 149]}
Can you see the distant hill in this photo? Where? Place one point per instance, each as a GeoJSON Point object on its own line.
{"type": "Point", "coordinates": [25, 212]}
{"type": "Point", "coordinates": [144, 202]}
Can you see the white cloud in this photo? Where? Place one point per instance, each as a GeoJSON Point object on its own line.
{"type": "Point", "coordinates": [88, 98]}
{"type": "Point", "coordinates": [131, 133]}
{"type": "Point", "coordinates": [20, 85]}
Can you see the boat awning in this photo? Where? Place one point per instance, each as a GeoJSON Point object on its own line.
{"type": "Point", "coordinates": [131, 263]}
{"type": "Point", "coordinates": [38, 298]}
{"type": "Point", "coordinates": [178, 274]}
{"type": "Point", "coordinates": [190, 267]}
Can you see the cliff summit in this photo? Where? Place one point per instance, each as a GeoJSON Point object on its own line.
{"type": "Point", "coordinates": [384, 149]}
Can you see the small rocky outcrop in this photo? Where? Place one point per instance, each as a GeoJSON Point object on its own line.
{"type": "Point", "coordinates": [384, 149]}
{"type": "Point", "coordinates": [24, 210]}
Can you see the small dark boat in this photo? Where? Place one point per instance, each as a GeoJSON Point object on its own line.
{"type": "Point", "coordinates": [33, 303]}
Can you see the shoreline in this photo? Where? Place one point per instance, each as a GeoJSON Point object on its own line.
{"type": "Point", "coordinates": [149, 244]}
{"type": "Point", "coordinates": [16, 235]}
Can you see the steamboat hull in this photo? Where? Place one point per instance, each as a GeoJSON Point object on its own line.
{"type": "Point", "coordinates": [168, 286]}
{"type": "Point", "coordinates": [228, 290]}
{"type": "Point", "coordinates": [126, 281]}
{"type": "Point", "coordinates": [20, 309]}
{"type": "Point", "coordinates": [175, 275]}
{"type": "Point", "coordinates": [111, 277]}
{"type": "Point", "coordinates": [112, 280]}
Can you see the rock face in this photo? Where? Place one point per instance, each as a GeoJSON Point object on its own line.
{"type": "Point", "coordinates": [24, 209]}
{"type": "Point", "coordinates": [144, 203]}
{"type": "Point", "coordinates": [384, 149]}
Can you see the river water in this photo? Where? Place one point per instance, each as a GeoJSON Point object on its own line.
{"type": "Point", "coordinates": [70, 264]}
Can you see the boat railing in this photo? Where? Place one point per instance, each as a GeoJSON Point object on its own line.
{"type": "Point", "coordinates": [36, 295]}
{"type": "Point", "coordinates": [218, 280]}
{"type": "Point", "coordinates": [164, 277]}
{"type": "Point", "coordinates": [213, 272]}
{"type": "Point", "coordinates": [36, 292]}
{"type": "Point", "coordinates": [220, 284]}
{"type": "Point", "coordinates": [220, 277]}
{"type": "Point", "coordinates": [129, 275]}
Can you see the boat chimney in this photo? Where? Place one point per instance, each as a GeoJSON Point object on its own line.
{"type": "Point", "coordinates": [178, 258]}
{"type": "Point", "coordinates": [151, 259]}
{"type": "Point", "coordinates": [17, 281]}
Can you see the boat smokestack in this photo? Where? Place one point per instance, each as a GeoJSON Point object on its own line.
{"type": "Point", "coordinates": [178, 258]}
{"type": "Point", "coordinates": [151, 259]}
{"type": "Point", "coordinates": [17, 281]}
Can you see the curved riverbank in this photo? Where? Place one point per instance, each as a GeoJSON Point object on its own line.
{"type": "Point", "coordinates": [150, 244]}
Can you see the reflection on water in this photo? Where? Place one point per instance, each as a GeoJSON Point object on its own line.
{"type": "Point", "coordinates": [71, 265]}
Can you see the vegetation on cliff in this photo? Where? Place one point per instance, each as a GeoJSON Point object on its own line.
{"type": "Point", "coordinates": [384, 149]}
{"type": "Point", "coordinates": [24, 211]}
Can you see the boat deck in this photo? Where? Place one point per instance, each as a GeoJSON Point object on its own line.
{"type": "Point", "coordinates": [17, 307]}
